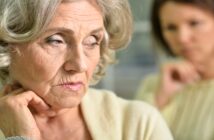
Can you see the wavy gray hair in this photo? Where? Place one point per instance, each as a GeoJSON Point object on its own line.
{"type": "Point", "coordinates": [25, 20]}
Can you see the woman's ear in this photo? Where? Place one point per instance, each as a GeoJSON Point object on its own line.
{"type": "Point", "coordinates": [14, 49]}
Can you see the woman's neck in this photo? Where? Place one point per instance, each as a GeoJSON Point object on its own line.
{"type": "Point", "coordinates": [61, 117]}
{"type": "Point", "coordinates": [66, 124]}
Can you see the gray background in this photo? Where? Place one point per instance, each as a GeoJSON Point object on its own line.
{"type": "Point", "coordinates": [138, 60]}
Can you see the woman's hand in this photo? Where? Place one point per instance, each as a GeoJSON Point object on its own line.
{"type": "Point", "coordinates": [174, 77]}
{"type": "Point", "coordinates": [16, 119]}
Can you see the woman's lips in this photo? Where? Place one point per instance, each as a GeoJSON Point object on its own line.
{"type": "Point", "coordinates": [74, 86]}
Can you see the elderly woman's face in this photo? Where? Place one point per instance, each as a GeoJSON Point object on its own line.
{"type": "Point", "coordinates": [59, 65]}
{"type": "Point", "coordinates": [188, 30]}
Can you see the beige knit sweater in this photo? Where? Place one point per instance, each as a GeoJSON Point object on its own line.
{"type": "Point", "coordinates": [111, 118]}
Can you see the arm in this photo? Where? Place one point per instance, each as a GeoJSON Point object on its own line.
{"type": "Point", "coordinates": [174, 77]}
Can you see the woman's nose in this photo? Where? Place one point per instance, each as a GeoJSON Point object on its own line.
{"type": "Point", "coordinates": [76, 60]}
{"type": "Point", "coordinates": [184, 36]}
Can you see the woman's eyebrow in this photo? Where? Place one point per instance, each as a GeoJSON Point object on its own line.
{"type": "Point", "coordinates": [97, 30]}
{"type": "Point", "coordinates": [60, 29]}
{"type": "Point", "coordinates": [69, 31]}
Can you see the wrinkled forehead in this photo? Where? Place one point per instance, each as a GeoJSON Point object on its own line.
{"type": "Point", "coordinates": [78, 16]}
{"type": "Point", "coordinates": [80, 10]}
{"type": "Point", "coordinates": [93, 2]}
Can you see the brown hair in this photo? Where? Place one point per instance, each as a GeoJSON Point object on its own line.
{"type": "Point", "coordinates": [207, 5]}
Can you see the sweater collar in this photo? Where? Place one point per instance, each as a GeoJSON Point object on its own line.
{"type": "Point", "coordinates": [99, 120]}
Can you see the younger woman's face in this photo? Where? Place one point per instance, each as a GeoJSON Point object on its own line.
{"type": "Point", "coordinates": [188, 30]}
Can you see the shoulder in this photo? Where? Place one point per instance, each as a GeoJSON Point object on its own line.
{"type": "Point", "coordinates": [147, 88]}
{"type": "Point", "coordinates": [109, 99]}
{"type": "Point", "coordinates": [136, 119]}
{"type": "Point", "coordinates": [150, 79]}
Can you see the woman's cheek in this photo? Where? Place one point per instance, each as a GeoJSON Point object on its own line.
{"type": "Point", "coordinates": [46, 67]}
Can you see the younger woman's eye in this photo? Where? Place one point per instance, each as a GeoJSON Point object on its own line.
{"type": "Point", "coordinates": [55, 40]}
{"type": "Point", "coordinates": [194, 23]}
{"type": "Point", "coordinates": [170, 27]}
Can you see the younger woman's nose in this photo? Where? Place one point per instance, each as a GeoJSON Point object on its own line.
{"type": "Point", "coordinates": [184, 36]}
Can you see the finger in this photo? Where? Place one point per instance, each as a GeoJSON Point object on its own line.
{"type": "Point", "coordinates": [189, 74]}
{"type": "Point", "coordinates": [193, 75]}
{"type": "Point", "coordinates": [166, 72]}
{"type": "Point", "coordinates": [183, 72]}
{"type": "Point", "coordinates": [171, 72]}
{"type": "Point", "coordinates": [38, 104]}
{"type": "Point", "coordinates": [30, 98]}
{"type": "Point", "coordinates": [180, 71]}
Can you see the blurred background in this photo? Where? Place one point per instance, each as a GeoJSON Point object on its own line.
{"type": "Point", "coordinates": [136, 61]}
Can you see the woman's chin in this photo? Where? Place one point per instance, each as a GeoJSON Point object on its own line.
{"type": "Point", "coordinates": [60, 98]}
{"type": "Point", "coordinates": [68, 103]}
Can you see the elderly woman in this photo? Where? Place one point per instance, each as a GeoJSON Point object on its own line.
{"type": "Point", "coordinates": [184, 89]}
{"type": "Point", "coordinates": [51, 51]}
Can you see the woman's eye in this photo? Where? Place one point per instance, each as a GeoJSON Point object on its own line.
{"type": "Point", "coordinates": [170, 27]}
{"type": "Point", "coordinates": [91, 41]}
{"type": "Point", "coordinates": [55, 40]}
{"type": "Point", "coordinates": [194, 23]}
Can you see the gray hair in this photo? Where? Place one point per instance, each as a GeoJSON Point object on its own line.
{"type": "Point", "coordinates": [25, 20]}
